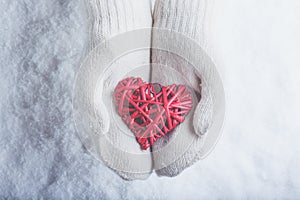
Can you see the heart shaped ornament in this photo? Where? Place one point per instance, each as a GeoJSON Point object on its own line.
{"type": "Point", "coordinates": [151, 110]}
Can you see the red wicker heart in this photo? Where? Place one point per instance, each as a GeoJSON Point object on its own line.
{"type": "Point", "coordinates": [149, 110]}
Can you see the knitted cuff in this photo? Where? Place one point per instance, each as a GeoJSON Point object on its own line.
{"type": "Point", "coordinates": [107, 18]}
{"type": "Point", "coordinates": [189, 17]}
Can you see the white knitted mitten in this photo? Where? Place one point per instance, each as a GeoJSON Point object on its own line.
{"type": "Point", "coordinates": [106, 19]}
{"type": "Point", "coordinates": [191, 19]}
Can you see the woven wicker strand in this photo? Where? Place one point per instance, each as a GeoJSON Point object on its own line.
{"type": "Point", "coordinates": [150, 110]}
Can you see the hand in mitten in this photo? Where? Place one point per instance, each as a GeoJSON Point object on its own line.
{"type": "Point", "coordinates": [190, 19]}
{"type": "Point", "coordinates": [107, 19]}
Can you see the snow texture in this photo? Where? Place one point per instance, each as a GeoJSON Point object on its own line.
{"type": "Point", "coordinates": [257, 49]}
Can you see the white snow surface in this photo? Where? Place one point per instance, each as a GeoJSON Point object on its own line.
{"type": "Point", "coordinates": [257, 48]}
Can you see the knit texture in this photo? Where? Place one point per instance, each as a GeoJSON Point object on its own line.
{"type": "Point", "coordinates": [190, 18]}
{"type": "Point", "coordinates": [108, 18]}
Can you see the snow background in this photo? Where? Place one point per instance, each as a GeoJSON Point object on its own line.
{"type": "Point", "coordinates": [257, 52]}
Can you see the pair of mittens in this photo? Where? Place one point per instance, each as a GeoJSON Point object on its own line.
{"type": "Point", "coordinates": [188, 20]}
